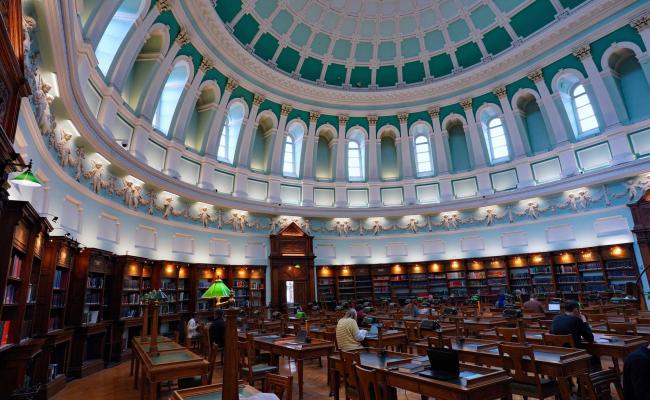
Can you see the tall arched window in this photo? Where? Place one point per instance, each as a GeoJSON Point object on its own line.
{"type": "Point", "coordinates": [423, 155]}
{"type": "Point", "coordinates": [497, 143]}
{"type": "Point", "coordinates": [584, 112]}
{"type": "Point", "coordinates": [170, 96]}
{"type": "Point", "coordinates": [230, 133]}
{"type": "Point", "coordinates": [115, 32]}
{"type": "Point", "coordinates": [293, 150]}
{"type": "Point", "coordinates": [355, 171]}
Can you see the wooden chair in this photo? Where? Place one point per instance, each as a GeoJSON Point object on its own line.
{"type": "Point", "coordinates": [558, 340]}
{"type": "Point", "coordinates": [185, 383]}
{"type": "Point", "coordinates": [596, 317]}
{"type": "Point", "coordinates": [508, 334]}
{"type": "Point", "coordinates": [350, 381]}
{"type": "Point", "coordinates": [439, 342]}
{"type": "Point", "coordinates": [527, 384]}
{"type": "Point", "coordinates": [279, 385]}
{"type": "Point", "coordinates": [545, 323]}
{"type": "Point", "coordinates": [622, 328]}
{"type": "Point", "coordinates": [368, 383]}
{"type": "Point", "coordinates": [643, 320]}
{"type": "Point", "coordinates": [205, 341]}
{"type": "Point", "coordinates": [248, 366]}
{"type": "Point", "coordinates": [412, 332]}
{"type": "Point", "coordinates": [597, 386]}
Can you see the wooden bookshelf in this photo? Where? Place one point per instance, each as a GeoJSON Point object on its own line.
{"type": "Point", "coordinates": [92, 281]}
{"type": "Point", "coordinates": [345, 284]}
{"type": "Point", "coordinates": [381, 282]}
{"type": "Point", "coordinates": [241, 286]}
{"type": "Point", "coordinates": [518, 274]}
{"type": "Point", "coordinates": [22, 236]}
{"type": "Point", "coordinates": [542, 274]}
{"type": "Point", "coordinates": [456, 278]}
{"type": "Point", "coordinates": [567, 278]}
{"type": "Point", "coordinates": [590, 268]}
{"type": "Point", "coordinates": [477, 278]}
{"type": "Point", "coordinates": [174, 279]}
{"type": "Point", "coordinates": [497, 277]}
{"type": "Point", "coordinates": [326, 284]}
{"type": "Point", "coordinates": [362, 282]}
{"type": "Point", "coordinates": [50, 316]}
{"type": "Point", "coordinates": [204, 276]}
{"type": "Point", "coordinates": [437, 279]}
{"type": "Point", "coordinates": [399, 282]}
{"type": "Point", "coordinates": [620, 267]}
{"type": "Point", "coordinates": [257, 287]}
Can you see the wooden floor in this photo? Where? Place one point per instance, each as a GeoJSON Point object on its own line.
{"type": "Point", "coordinates": [115, 383]}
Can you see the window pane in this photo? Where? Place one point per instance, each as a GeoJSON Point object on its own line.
{"type": "Point", "coordinates": [578, 90]}
{"type": "Point", "coordinates": [585, 112]}
{"type": "Point", "coordinates": [589, 124]}
{"type": "Point", "coordinates": [169, 97]}
{"type": "Point", "coordinates": [115, 33]}
{"type": "Point", "coordinates": [582, 100]}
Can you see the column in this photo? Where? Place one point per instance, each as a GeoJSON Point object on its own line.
{"type": "Point", "coordinates": [607, 109]}
{"type": "Point", "coordinates": [125, 58]}
{"type": "Point", "coordinates": [150, 99]}
{"type": "Point", "coordinates": [187, 102]}
{"type": "Point", "coordinates": [559, 132]}
{"type": "Point", "coordinates": [108, 108]}
{"type": "Point", "coordinates": [340, 149]}
{"type": "Point", "coordinates": [484, 184]}
{"type": "Point", "coordinates": [514, 134]}
{"type": "Point", "coordinates": [249, 133]}
{"type": "Point", "coordinates": [275, 193]}
{"type": "Point", "coordinates": [446, 191]}
{"type": "Point", "coordinates": [278, 142]}
{"type": "Point", "coordinates": [405, 146]}
{"type": "Point", "coordinates": [373, 166]}
{"type": "Point", "coordinates": [173, 159]}
{"type": "Point", "coordinates": [310, 148]}
{"type": "Point", "coordinates": [139, 141]}
{"type": "Point", "coordinates": [374, 196]}
{"type": "Point", "coordinates": [438, 140]}
{"type": "Point", "coordinates": [241, 183]}
{"type": "Point", "coordinates": [211, 141]}
{"type": "Point", "coordinates": [340, 196]}
{"type": "Point", "coordinates": [307, 195]}
{"type": "Point", "coordinates": [568, 162]}
{"type": "Point", "coordinates": [99, 20]}
{"type": "Point", "coordinates": [475, 138]}
{"type": "Point", "coordinates": [524, 175]}
{"type": "Point", "coordinates": [620, 146]}
{"type": "Point", "coordinates": [206, 176]}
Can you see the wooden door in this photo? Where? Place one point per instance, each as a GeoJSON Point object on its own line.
{"type": "Point", "coordinates": [300, 293]}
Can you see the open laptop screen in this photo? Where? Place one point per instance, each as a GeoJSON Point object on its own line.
{"type": "Point", "coordinates": [553, 306]}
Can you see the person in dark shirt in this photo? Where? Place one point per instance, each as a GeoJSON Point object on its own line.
{"type": "Point", "coordinates": [533, 305]}
{"type": "Point", "coordinates": [573, 323]}
{"type": "Point", "coordinates": [218, 329]}
{"type": "Point", "coordinates": [636, 385]}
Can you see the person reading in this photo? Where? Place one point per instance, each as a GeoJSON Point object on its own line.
{"type": "Point", "coordinates": [348, 334]}
{"type": "Point", "coordinates": [573, 323]}
{"type": "Point", "coordinates": [533, 305]}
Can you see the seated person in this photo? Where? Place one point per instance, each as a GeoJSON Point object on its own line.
{"type": "Point", "coordinates": [218, 329]}
{"type": "Point", "coordinates": [533, 305]}
{"type": "Point", "coordinates": [360, 315]}
{"type": "Point", "coordinates": [348, 334]}
{"type": "Point", "coordinates": [636, 385]}
{"type": "Point", "coordinates": [192, 328]}
{"type": "Point", "coordinates": [573, 323]}
{"type": "Point", "coordinates": [501, 301]}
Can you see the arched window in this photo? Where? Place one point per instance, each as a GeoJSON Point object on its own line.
{"type": "Point", "coordinates": [497, 143]}
{"type": "Point", "coordinates": [423, 155]}
{"type": "Point", "coordinates": [230, 133]}
{"type": "Point", "coordinates": [355, 172]}
{"type": "Point", "coordinates": [293, 150]}
{"type": "Point", "coordinates": [584, 112]}
{"type": "Point", "coordinates": [170, 96]}
{"type": "Point", "coordinates": [115, 32]}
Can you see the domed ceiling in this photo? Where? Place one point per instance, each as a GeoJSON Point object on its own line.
{"type": "Point", "coordinates": [370, 44]}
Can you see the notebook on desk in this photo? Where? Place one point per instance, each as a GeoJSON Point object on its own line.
{"type": "Point", "coordinates": [445, 364]}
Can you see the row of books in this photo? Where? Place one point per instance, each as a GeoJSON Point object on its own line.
{"type": "Point", "coordinates": [10, 293]}
{"type": "Point", "coordinates": [60, 279]}
{"type": "Point", "coordinates": [96, 282]}
{"type": "Point", "coordinates": [4, 332]}
{"type": "Point", "coordinates": [133, 298]}
{"type": "Point", "coordinates": [93, 298]}
{"type": "Point", "coordinates": [16, 267]}
{"type": "Point", "coordinates": [58, 300]}
{"type": "Point", "coordinates": [130, 313]}
{"type": "Point", "coordinates": [565, 269]}
{"type": "Point", "coordinates": [131, 284]}
{"type": "Point", "coordinates": [91, 317]}
{"type": "Point", "coordinates": [257, 285]}
{"type": "Point", "coordinates": [54, 323]}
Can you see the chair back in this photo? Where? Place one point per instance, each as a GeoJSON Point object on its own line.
{"type": "Point", "coordinates": [597, 386]}
{"type": "Point", "coordinates": [508, 334]}
{"type": "Point", "coordinates": [439, 341]}
{"type": "Point", "coordinates": [205, 340]}
{"type": "Point", "coordinates": [518, 352]}
{"type": "Point", "coordinates": [349, 374]}
{"type": "Point", "coordinates": [212, 361]}
{"type": "Point", "coordinates": [368, 383]}
{"type": "Point", "coordinates": [643, 320]}
{"type": "Point", "coordinates": [545, 323]}
{"type": "Point", "coordinates": [596, 317]}
{"type": "Point", "coordinates": [278, 385]}
{"type": "Point", "coordinates": [412, 330]}
{"type": "Point", "coordinates": [245, 359]}
{"type": "Point", "coordinates": [622, 328]}
{"type": "Point", "coordinates": [558, 340]}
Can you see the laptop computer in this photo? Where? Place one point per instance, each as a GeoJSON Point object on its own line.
{"type": "Point", "coordinates": [445, 365]}
{"type": "Point", "coordinates": [554, 306]}
{"type": "Point", "coordinates": [301, 337]}
{"type": "Point", "coordinates": [374, 331]}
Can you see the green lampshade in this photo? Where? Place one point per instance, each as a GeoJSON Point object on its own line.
{"type": "Point", "coordinates": [217, 290]}
{"type": "Point", "coordinates": [26, 179]}
{"type": "Point", "coordinates": [158, 295]}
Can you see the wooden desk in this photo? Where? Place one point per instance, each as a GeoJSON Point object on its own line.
{"type": "Point", "coordinates": [298, 351]}
{"type": "Point", "coordinates": [483, 383]}
{"type": "Point", "coordinates": [389, 337]}
{"type": "Point", "coordinates": [369, 358]}
{"type": "Point", "coordinates": [138, 340]}
{"type": "Point", "coordinates": [556, 362]}
{"type": "Point", "coordinates": [169, 366]}
{"type": "Point", "coordinates": [211, 392]}
{"type": "Point", "coordinates": [642, 330]}
{"type": "Point", "coordinates": [473, 325]}
{"type": "Point", "coordinates": [140, 348]}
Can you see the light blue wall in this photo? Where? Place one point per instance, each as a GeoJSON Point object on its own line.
{"type": "Point", "coordinates": [388, 166]}
{"type": "Point", "coordinates": [536, 129]}
{"type": "Point", "coordinates": [458, 149]}
{"type": "Point", "coordinates": [635, 89]}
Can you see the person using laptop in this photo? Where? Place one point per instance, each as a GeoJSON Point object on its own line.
{"type": "Point", "coordinates": [573, 323]}
{"type": "Point", "coordinates": [533, 305]}
{"type": "Point", "coordinates": [348, 334]}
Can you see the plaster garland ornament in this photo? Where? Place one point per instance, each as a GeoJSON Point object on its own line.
{"type": "Point", "coordinates": [79, 163]}
{"type": "Point", "coordinates": [306, 226]}
{"type": "Point", "coordinates": [136, 197]}
{"type": "Point", "coordinates": [204, 217]}
{"type": "Point", "coordinates": [219, 218]}
{"type": "Point", "coordinates": [95, 175]}
{"type": "Point", "coordinates": [490, 216]}
{"type": "Point", "coordinates": [44, 116]}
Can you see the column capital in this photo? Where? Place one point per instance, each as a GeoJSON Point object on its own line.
{"type": "Point", "coordinates": [372, 120]}
{"type": "Point", "coordinates": [641, 23]}
{"type": "Point", "coordinates": [403, 117]}
{"type": "Point", "coordinates": [343, 119]}
{"type": "Point", "coordinates": [536, 75]}
{"type": "Point", "coordinates": [206, 64]}
{"type": "Point", "coordinates": [231, 84]}
{"type": "Point", "coordinates": [183, 37]}
{"type": "Point", "coordinates": [164, 5]}
{"type": "Point", "coordinates": [258, 99]}
{"type": "Point", "coordinates": [313, 116]}
{"type": "Point", "coordinates": [285, 110]}
{"type": "Point", "coordinates": [499, 91]}
{"type": "Point", "coordinates": [582, 52]}
{"type": "Point", "coordinates": [466, 104]}
{"type": "Point", "coordinates": [434, 111]}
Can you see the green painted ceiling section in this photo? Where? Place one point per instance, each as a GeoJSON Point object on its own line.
{"type": "Point", "coordinates": [361, 43]}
